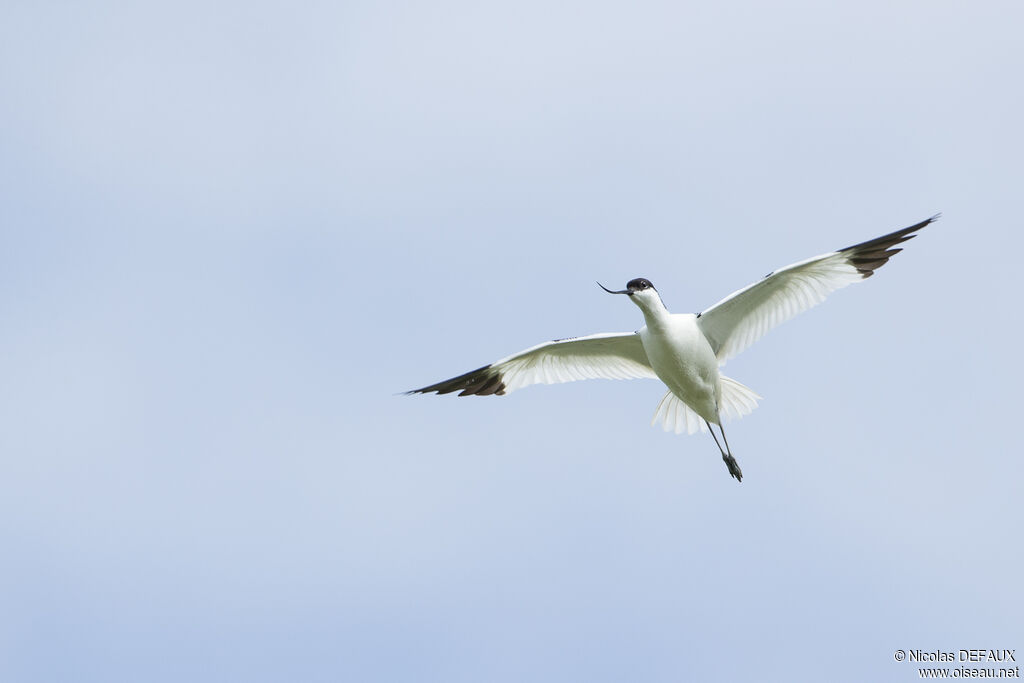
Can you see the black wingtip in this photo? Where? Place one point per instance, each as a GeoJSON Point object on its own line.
{"type": "Point", "coordinates": [485, 381]}
{"type": "Point", "coordinates": [867, 257]}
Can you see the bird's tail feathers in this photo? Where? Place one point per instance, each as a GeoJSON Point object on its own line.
{"type": "Point", "coordinates": [737, 399]}
{"type": "Point", "coordinates": [675, 416]}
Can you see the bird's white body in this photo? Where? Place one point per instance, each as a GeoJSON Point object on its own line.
{"type": "Point", "coordinates": [685, 350]}
{"type": "Point", "coordinates": [681, 356]}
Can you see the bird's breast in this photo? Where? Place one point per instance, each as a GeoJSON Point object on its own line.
{"type": "Point", "coordinates": [682, 358]}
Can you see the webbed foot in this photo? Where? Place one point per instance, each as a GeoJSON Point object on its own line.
{"type": "Point", "coordinates": [734, 467]}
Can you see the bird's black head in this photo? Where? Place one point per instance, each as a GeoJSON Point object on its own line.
{"type": "Point", "coordinates": [642, 293]}
{"type": "Point", "coordinates": [639, 284]}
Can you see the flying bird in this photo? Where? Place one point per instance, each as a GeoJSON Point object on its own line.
{"type": "Point", "coordinates": [685, 350]}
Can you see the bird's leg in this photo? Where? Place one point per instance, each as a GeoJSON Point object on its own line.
{"type": "Point", "coordinates": [734, 467]}
{"type": "Point", "coordinates": [730, 462]}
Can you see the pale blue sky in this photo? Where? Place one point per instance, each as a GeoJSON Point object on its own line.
{"type": "Point", "coordinates": [232, 232]}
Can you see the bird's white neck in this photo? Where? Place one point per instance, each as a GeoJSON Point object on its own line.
{"type": "Point", "coordinates": [652, 306]}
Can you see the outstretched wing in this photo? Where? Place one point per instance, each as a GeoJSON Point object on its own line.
{"type": "Point", "coordinates": [598, 356]}
{"type": "Point", "coordinates": [743, 317]}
